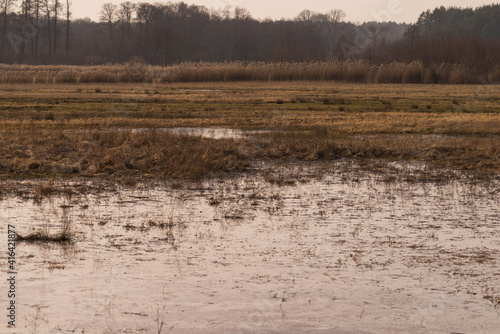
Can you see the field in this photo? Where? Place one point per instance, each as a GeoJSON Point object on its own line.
{"type": "Point", "coordinates": [89, 130]}
{"type": "Point", "coordinates": [259, 206]}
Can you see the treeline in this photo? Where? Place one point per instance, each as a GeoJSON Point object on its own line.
{"type": "Point", "coordinates": [468, 37]}
{"type": "Point", "coordinates": [42, 32]}
{"type": "Point", "coordinates": [34, 30]}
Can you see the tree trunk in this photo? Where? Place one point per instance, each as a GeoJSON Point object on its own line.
{"type": "Point", "coordinates": [68, 15]}
{"type": "Point", "coordinates": [4, 32]}
{"type": "Point", "coordinates": [49, 31]}
{"type": "Point", "coordinates": [37, 21]}
{"type": "Point", "coordinates": [56, 14]}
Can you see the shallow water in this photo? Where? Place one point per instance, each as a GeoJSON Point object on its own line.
{"type": "Point", "coordinates": [331, 255]}
{"type": "Point", "coordinates": [212, 132]}
{"type": "Point", "coordinates": [215, 133]}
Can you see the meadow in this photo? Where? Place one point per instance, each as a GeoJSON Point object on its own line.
{"type": "Point", "coordinates": [294, 206]}
{"type": "Point", "coordinates": [117, 131]}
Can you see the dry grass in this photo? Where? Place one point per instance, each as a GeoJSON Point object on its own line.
{"type": "Point", "coordinates": [115, 155]}
{"type": "Point", "coordinates": [86, 130]}
{"type": "Point", "coordinates": [462, 153]}
{"type": "Point", "coordinates": [359, 71]}
{"type": "Point", "coordinates": [45, 236]}
{"type": "Point", "coordinates": [124, 156]}
{"type": "Point", "coordinates": [342, 109]}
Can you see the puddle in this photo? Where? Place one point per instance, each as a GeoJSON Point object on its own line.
{"type": "Point", "coordinates": [243, 256]}
{"type": "Point", "coordinates": [212, 132]}
{"type": "Point", "coordinates": [203, 90]}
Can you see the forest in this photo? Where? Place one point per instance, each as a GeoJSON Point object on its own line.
{"type": "Point", "coordinates": [44, 32]}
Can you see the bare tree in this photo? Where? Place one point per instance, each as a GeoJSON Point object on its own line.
{"type": "Point", "coordinates": [26, 6]}
{"type": "Point", "coordinates": [108, 15]}
{"type": "Point", "coordinates": [56, 7]}
{"type": "Point", "coordinates": [375, 31]}
{"type": "Point", "coordinates": [335, 15]}
{"type": "Point", "coordinates": [145, 13]}
{"type": "Point", "coordinates": [46, 7]}
{"type": "Point", "coordinates": [26, 9]}
{"type": "Point", "coordinates": [36, 19]}
{"type": "Point", "coordinates": [333, 18]}
{"type": "Point", "coordinates": [240, 15]}
{"type": "Point", "coordinates": [305, 15]}
{"type": "Point", "coordinates": [68, 21]}
{"type": "Point", "coordinates": [125, 14]}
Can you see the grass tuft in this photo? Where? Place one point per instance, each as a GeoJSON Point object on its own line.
{"type": "Point", "coordinates": [44, 236]}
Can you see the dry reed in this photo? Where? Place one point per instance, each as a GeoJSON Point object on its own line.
{"type": "Point", "coordinates": [359, 71]}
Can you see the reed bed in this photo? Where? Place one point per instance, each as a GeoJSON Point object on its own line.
{"type": "Point", "coordinates": [358, 71]}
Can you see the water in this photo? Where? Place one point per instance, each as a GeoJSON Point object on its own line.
{"type": "Point", "coordinates": [212, 132]}
{"type": "Point", "coordinates": [334, 254]}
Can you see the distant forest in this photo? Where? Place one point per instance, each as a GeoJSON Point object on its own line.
{"type": "Point", "coordinates": [43, 32]}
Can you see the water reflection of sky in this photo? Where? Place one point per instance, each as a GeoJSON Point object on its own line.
{"type": "Point", "coordinates": [243, 255]}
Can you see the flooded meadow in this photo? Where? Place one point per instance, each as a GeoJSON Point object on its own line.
{"type": "Point", "coordinates": [324, 247]}
{"type": "Point", "coordinates": [250, 207]}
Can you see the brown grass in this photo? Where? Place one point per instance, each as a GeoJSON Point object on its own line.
{"type": "Point", "coordinates": [359, 71]}
{"type": "Point", "coordinates": [87, 130]}
{"type": "Point", "coordinates": [115, 154]}
{"type": "Point", "coordinates": [341, 109]}
{"type": "Point", "coordinates": [462, 153]}
{"type": "Point", "coordinates": [45, 237]}
{"type": "Point", "coordinates": [122, 155]}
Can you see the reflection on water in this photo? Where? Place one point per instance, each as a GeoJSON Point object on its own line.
{"type": "Point", "coordinates": [215, 133]}
{"type": "Point", "coordinates": [331, 255]}
{"type": "Point", "coordinates": [212, 132]}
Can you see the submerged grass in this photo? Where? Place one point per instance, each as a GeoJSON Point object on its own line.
{"type": "Point", "coordinates": [44, 236]}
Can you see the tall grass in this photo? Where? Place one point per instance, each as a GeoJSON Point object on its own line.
{"type": "Point", "coordinates": [359, 71]}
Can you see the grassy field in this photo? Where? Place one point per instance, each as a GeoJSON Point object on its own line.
{"type": "Point", "coordinates": [454, 126]}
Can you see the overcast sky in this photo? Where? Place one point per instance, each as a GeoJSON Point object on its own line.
{"type": "Point", "coordinates": [357, 11]}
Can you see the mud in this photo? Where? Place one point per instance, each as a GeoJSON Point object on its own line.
{"type": "Point", "coordinates": [336, 253]}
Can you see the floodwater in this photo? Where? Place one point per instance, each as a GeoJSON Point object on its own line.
{"type": "Point", "coordinates": [335, 253]}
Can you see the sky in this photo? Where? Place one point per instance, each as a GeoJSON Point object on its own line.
{"type": "Point", "coordinates": [357, 11]}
